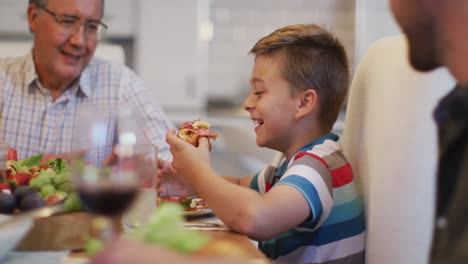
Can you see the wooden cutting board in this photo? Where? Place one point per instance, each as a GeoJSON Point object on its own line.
{"type": "Point", "coordinates": [60, 232]}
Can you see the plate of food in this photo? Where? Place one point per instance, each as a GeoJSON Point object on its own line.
{"type": "Point", "coordinates": [193, 206]}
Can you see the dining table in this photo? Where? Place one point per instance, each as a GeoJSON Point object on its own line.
{"type": "Point", "coordinates": [208, 225]}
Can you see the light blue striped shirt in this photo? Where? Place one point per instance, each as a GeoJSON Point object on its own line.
{"type": "Point", "coordinates": [335, 231]}
{"type": "Point", "coordinates": [32, 122]}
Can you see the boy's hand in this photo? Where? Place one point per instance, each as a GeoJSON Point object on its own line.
{"type": "Point", "coordinates": [188, 159]}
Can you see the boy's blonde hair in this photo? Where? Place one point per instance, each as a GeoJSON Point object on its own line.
{"type": "Point", "coordinates": [312, 58]}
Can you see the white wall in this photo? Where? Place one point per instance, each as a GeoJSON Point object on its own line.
{"type": "Point", "coordinates": [202, 52]}
{"type": "Point", "coordinates": [374, 20]}
{"type": "Point", "coordinates": [238, 25]}
{"type": "Point", "coordinates": [169, 53]}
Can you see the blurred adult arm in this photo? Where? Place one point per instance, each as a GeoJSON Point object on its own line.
{"type": "Point", "coordinates": [124, 251]}
{"type": "Point", "coordinates": [155, 122]}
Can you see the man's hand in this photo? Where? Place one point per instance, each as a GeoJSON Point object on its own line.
{"type": "Point", "coordinates": [170, 183]}
{"type": "Point", "coordinates": [144, 163]}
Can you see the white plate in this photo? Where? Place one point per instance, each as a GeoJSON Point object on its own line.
{"type": "Point", "coordinates": [201, 212]}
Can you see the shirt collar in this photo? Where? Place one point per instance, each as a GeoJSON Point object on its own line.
{"type": "Point", "coordinates": [330, 136]}
{"type": "Point", "coordinates": [85, 81]}
{"type": "Point", "coordinates": [453, 106]}
{"type": "Point", "coordinates": [320, 140]}
{"type": "Point", "coordinates": [30, 74]}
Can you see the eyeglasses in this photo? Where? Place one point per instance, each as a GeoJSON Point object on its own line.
{"type": "Point", "coordinates": [69, 25]}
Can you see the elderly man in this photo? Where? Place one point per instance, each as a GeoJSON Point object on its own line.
{"type": "Point", "coordinates": [437, 34]}
{"type": "Point", "coordinates": [42, 92]}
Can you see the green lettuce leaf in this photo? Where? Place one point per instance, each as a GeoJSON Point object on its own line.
{"type": "Point", "coordinates": [165, 228]}
{"type": "Point", "coordinates": [25, 164]}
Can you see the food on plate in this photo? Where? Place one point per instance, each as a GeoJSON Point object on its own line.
{"type": "Point", "coordinates": [21, 192]}
{"type": "Point", "coordinates": [197, 203]}
{"type": "Point", "coordinates": [32, 201]}
{"type": "Point", "coordinates": [188, 203]}
{"type": "Point", "coordinates": [192, 131]}
{"type": "Point", "coordinates": [181, 200]}
{"type": "Point", "coordinates": [5, 187]}
{"type": "Point", "coordinates": [164, 228]}
{"type": "Point", "coordinates": [7, 203]}
{"type": "Point", "coordinates": [33, 182]}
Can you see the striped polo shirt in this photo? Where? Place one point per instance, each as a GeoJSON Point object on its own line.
{"type": "Point", "coordinates": [335, 231]}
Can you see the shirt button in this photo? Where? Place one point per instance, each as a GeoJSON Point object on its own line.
{"type": "Point", "coordinates": [441, 222]}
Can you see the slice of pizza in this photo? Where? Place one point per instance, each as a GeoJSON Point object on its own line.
{"type": "Point", "coordinates": [182, 200]}
{"type": "Point", "coordinates": [192, 131]}
{"type": "Point", "coordinates": [188, 203]}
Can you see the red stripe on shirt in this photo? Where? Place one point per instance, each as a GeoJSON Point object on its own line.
{"type": "Point", "coordinates": [302, 154]}
{"type": "Point", "coordinates": [340, 176]}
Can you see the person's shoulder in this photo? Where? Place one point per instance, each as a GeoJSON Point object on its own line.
{"type": "Point", "coordinates": [10, 62]}
{"type": "Point", "coordinates": [13, 67]}
{"type": "Point", "coordinates": [328, 151]}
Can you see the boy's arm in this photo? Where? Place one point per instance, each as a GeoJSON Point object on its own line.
{"type": "Point", "coordinates": [242, 209]}
{"type": "Point", "coordinates": [242, 181]}
{"type": "Point", "coordinates": [246, 211]}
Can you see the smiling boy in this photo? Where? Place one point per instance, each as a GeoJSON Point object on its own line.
{"type": "Point", "coordinates": [304, 207]}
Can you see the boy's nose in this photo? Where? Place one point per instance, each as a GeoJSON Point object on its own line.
{"type": "Point", "coordinates": [248, 105]}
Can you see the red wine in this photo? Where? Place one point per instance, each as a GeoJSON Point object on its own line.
{"type": "Point", "coordinates": [109, 200]}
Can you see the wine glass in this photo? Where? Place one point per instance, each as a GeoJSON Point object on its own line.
{"type": "Point", "coordinates": [112, 159]}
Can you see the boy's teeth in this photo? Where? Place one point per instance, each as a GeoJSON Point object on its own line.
{"type": "Point", "coordinates": [257, 122]}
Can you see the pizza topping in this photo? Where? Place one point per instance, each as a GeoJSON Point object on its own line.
{"type": "Point", "coordinates": [191, 131]}
{"type": "Point", "coordinates": [188, 203]}
{"type": "Point", "coordinates": [197, 203]}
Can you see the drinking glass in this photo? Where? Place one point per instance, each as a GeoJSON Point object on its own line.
{"type": "Point", "coordinates": [112, 159]}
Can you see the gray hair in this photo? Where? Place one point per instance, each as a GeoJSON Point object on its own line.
{"type": "Point", "coordinates": [45, 2]}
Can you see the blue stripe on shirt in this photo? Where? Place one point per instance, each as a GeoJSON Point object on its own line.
{"type": "Point", "coordinates": [338, 231]}
{"type": "Point", "coordinates": [310, 193]}
{"type": "Point", "coordinates": [344, 212]}
{"type": "Point", "coordinates": [344, 194]}
{"type": "Point", "coordinates": [254, 183]}
{"type": "Point", "coordinates": [292, 240]}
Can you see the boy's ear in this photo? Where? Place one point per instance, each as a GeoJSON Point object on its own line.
{"type": "Point", "coordinates": [308, 102]}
